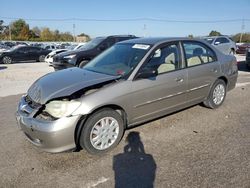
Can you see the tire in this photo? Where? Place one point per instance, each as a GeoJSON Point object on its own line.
{"type": "Point", "coordinates": [95, 128]}
{"type": "Point", "coordinates": [248, 66]}
{"type": "Point", "coordinates": [218, 89]}
{"type": "Point", "coordinates": [82, 63]}
{"type": "Point", "coordinates": [232, 52]}
{"type": "Point", "coordinates": [7, 60]}
{"type": "Point", "coordinates": [41, 58]}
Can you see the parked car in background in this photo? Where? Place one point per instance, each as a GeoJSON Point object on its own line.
{"type": "Point", "coordinates": [21, 43]}
{"type": "Point", "coordinates": [132, 82]}
{"type": "Point", "coordinates": [224, 43]}
{"type": "Point", "coordinates": [83, 55]}
{"type": "Point", "coordinates": [10, 44]}
{"type": "Point", "coordinates": [49, 47]}
{"type": "Point", "coordinates": [23, 53]}
{"type": "Point", "coordinates": [248, 58]}
{"type": "Point", "coordinates": [242, 49]}
{"type": "Point", "coordinates": [50, 56]}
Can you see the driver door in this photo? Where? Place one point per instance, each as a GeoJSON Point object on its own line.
{"type": "Point", "coordinates": [163, 93]}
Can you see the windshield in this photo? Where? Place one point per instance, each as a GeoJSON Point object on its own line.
{"type": "Point", "coordinates": [91, 44]}
{"type": "Point", "coordinates": [120, 59]}
{"type": "Point", "coordinates": [209, 40]}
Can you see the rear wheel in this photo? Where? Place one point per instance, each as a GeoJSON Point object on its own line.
{"type": "Point", "coordinates": [41, 58]}
{"type": "Point", "coordinates": [102, 131]}
{"type": "Point", "coordinates": [83, 63]}
{"type": "Point", "coordinates": [216, 95]}
{"type": "Point", "coordinates": [7, 60]}
{"type": "Point", "coordinates": [248, 66]}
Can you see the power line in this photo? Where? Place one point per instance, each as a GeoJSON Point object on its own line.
{"type": "Point", "coordinates": [126, 20]}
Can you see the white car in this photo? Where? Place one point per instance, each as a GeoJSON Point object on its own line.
{"type": "Point", "coordinates": [49, 57]}
{"type": "Point", "coordinates": [223, 43]}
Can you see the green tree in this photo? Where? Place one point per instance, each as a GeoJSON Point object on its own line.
{"type": "Point", "coordinates": [191, 36]}
{"type": "Point", "coordinates": [66, 36]}
{"type": "Point", "coordinates": [85, 35]}
{"type": "Point", "coordinates": [37, 31]}
{"type": "Point", "coordinates": [24, 33]}
{"type": "Point", "coordinates": [2, 29]}
{"type": "Point", "coordinates": [1, 26]}
{"type": "Point", "coordinates": [47, 34]}
{"type": "Point", "coordinates": [57, 35]}
{"type": "Point", "coordinates": [245, 37]}
{"type": "Point", "coordinates": [19, 30]}
{"type": "Point", "coordinates": [214, 33]}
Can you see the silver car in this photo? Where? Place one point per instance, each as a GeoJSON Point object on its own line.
{"type": "Point", "coordinates": [224, 43]}
{"type": "Point", "coordinates": [130, 83]}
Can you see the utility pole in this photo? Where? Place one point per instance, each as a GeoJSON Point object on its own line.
{"type": "Point", "coordinates": [10, 32]}
{"type": "Point", "coordinates": [144, 30]}
{"type": "Point", "coordinates": [74, 26]}
{"type": "Point", "coordinates": [242, 29]}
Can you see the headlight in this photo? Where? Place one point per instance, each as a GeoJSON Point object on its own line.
{"type": "Point", "coordinates": [69, 56]}
{"type": "Point", "coordinates": [60, 109]}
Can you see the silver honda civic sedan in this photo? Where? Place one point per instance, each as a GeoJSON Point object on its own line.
{"type": "Point", "coordinates": [130, 83]}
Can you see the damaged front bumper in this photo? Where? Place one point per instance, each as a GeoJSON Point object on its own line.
{"type": "Point", "coordinates": [49, 135]}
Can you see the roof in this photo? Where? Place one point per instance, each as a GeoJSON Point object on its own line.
{"type": "Point", "coordinates": [154, 40]}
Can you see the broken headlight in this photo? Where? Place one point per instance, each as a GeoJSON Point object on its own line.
{"type": "Point", "coordinates": [60, 109]}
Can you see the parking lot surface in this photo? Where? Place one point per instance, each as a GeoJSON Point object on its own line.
{"type": "Point", "coordinates": [196, 147]}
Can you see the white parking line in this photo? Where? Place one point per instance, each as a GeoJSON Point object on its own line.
{"type": "Point", "coordinates": [95, 183]}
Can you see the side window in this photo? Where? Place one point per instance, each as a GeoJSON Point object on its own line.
{"type": "Point", "coordinates": [164, 59]}
{"type": "Point", "coordinates": [218, 41]}
{"type": "Point", "coordinates": [106, 44]}
{"type": "Point", "coordinates": [110, 42]}
{"type": "Point", "coordinates": [197, 53]}
{"type": "Point", "coordinates": [22, 50]}
{"type": "Point", "coordinates": [224, 40]}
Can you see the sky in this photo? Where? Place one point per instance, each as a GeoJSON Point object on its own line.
{"type": "Point", "coordinates": [138, 17]}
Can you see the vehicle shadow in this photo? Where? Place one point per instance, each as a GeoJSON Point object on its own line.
{"type": "Point", "coordinates": [242, 66]}
{"type": "Point", "coordinates": [134, 167]}
{"type": "Point", "coordinates": [3, 67]}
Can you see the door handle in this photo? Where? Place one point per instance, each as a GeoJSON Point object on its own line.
{"type": "Point", "coordinates": [179, 79]}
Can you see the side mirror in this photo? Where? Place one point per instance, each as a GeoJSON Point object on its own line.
{"type": "Point", "coordinates": [147, 73]}
{"type": "Point", "coordinates": [216, 43]}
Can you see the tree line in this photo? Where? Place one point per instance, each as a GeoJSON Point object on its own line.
{"type": "Point", "coordinates": [19, 30]}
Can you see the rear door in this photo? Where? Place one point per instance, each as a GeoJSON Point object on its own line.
{"type": "Point", "coordinates": [163, 93]}
{"type": "Point", "coordinates": [203, 69]}
{"type": "Point", "coordinates": [33, 53]}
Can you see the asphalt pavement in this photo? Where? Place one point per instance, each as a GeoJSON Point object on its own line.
{"type": "Point", "coordinates": [195, 147]}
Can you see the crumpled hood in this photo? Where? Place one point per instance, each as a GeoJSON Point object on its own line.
{"type": "Point", "coordinates": [64, 83]}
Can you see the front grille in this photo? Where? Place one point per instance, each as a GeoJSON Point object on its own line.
{"type": "Point", "coordinates": [32, 103]}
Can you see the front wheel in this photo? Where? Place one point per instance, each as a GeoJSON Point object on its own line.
{"type": "Point", "coordinates": [216, 95]}
{"type": "Point", "coordinates": [7, 60]}
{"type": "Point", "coordinates": [102, 131]}
{"type": "Point", "coordinates": [83, 63]}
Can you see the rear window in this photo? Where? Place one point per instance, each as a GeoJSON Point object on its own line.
{"type": "Point", "coordinates": [197, 53]}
